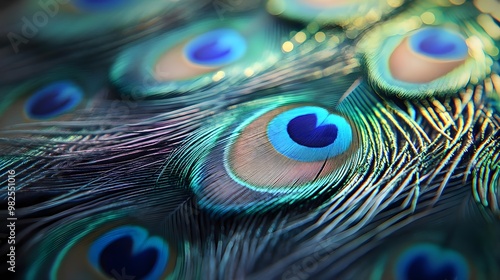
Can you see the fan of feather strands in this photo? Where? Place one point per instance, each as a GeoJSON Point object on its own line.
{"type": "Point", "coordinates": [250, 140]}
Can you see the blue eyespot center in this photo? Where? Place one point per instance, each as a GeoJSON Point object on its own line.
{"type": "Point", "coordinates": [129, 250]}
{"type": "Point", "coordinates": [439, 43]}
{"type": "Point", "coordinates": [305, 131]}
{"type": "Point", "coordinates": [53, 100]}
{"type": "Point", "coordinates": [426, 261]}
{"type": "Point", "coordinates": [216, 47]}
{"type": "Point", "coordinates": [309, 134]}
{"type": "Point", "coordinates": [436, 46]}
{"type": "Point", "coordinates": [118, 254]}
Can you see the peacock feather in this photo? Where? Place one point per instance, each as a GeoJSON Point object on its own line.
{"type": "Point", "coordinates": [261, 140]}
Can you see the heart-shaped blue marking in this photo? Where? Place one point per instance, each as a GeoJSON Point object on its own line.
{"type": "Point", "coordinates": [304, 130]}
{"type": "Point", "coordinates": [309, 134]}
{"type": "Point", "coordinates": [129, 249]}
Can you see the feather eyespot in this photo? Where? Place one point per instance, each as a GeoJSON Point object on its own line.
{"type": "Point", "coordinates": [197, 57]}
{"type": "Point", "coordinates": [427, 55]}
{"type": "Point", "coordinates": [115, 240]}
{"type": "Point", "coordinates": [309, 134]}
{"type": "Point", "coordinates": [433, 250]}
{"type": "Point", "coordinates": [48, 98]}
{"type": "Point", "coordinates": [301, 144]}
{"type": "Point", "coordinates": [431, 61]}
{"type": "Point", "coordinates": [422, 53]}
{"type": "Point", "coordinates": [278, 155]}
{"type": "Point", "coordinates": [433, 260]}
{"type": "Point", "coordinates": [53, 100]}
{"type": "Point", "coordinates": [129, 248]}
{"type": "Point", "coordinates": [215, 48]}
{"type": "Point", "coordinates": [120, 250]}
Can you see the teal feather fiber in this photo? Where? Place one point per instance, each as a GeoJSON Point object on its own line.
{"type": "Point", "coordinates": [291, 150]}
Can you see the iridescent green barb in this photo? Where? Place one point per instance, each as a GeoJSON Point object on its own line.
{"type": "Point", "coordinates": [245, 141]}
{"type": "Point", "coordinates": [431, 49]}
